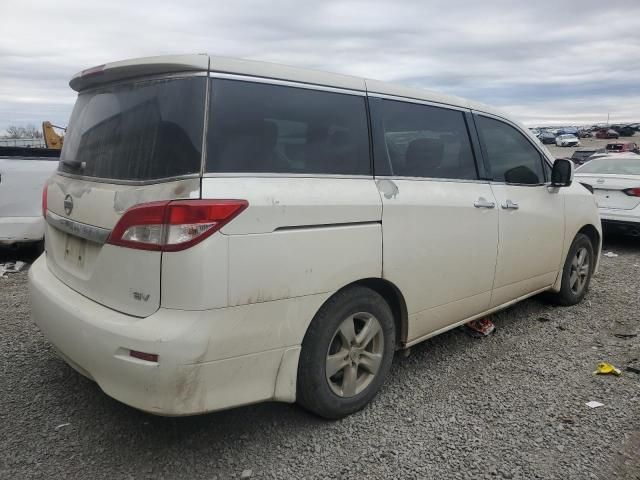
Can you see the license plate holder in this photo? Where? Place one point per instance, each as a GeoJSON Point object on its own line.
{"type": "Point", "coordinates": [75, 250]}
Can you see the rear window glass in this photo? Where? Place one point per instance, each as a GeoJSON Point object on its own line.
{"type": "Point", "coordinates": [413, 140]}
{"type": "Point", "coordinates": [261, 128]}
{"type": "Point", "coordinates": [139, 131]}
{"type": "Point", "coordinates": [616, 166]}
{"type": "Point", "coordinates": [614, 147]}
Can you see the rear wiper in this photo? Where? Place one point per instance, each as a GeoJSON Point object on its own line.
{"type": "Point", "coordinates": [73, 164]}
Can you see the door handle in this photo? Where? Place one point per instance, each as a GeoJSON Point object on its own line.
{"type": "Point", "coordinates": [510, 205]}
{"type": "Point", "coordinates": [483, 203]}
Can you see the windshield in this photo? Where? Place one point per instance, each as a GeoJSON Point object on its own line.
{"type": "Point", "coordinates": [620, 166]}
{"type": "Point", "coordinates": [138, 131]}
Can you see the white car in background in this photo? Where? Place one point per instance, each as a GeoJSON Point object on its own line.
{"type": "Point", "coordinates": [223, 232]}
{"type": "Point", "coordinates": [21, 182]}
{"type": "Point", "coordinates": [615, 180]}
{"type": "Point", "coordinates": [567, 140]}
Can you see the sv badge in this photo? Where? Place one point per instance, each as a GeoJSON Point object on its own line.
{"type": "Point", "coordinates": [141, 297]}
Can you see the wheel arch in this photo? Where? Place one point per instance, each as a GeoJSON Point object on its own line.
{"type": "Point", "coordinates": [393, 296]}
{"type": "Point", "coordinates": [596, 239]}
{"type": "Point", "coordinates": [593, 234]}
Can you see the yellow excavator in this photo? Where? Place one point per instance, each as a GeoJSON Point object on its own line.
{"type": "Point", "coordinates": [52, 139]}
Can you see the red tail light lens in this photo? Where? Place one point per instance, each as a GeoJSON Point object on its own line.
{"type": "Point", "coordinates": [141, 227]}
{"type": "Point", "coordinates": [149, 357]}
{"type": "Point", "coordinates": [632, 192]}
{"type": "Point", "coordinates": [44, 199]}
{"type": "Point", "coordinates": [170, 226]}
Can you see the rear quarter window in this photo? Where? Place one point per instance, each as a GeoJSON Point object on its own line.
{"type": "Point", "coordinates": [139, 131]}
{"type": "Point", "coordinates": [264, 128]}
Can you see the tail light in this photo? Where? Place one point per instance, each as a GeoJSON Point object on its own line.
{"type": "Point", "coordinates": [170, 226]}
{"type": "Point", "coordinates": [93, 71]}
{"type": "Point", "coordinates": [632, 192]}
{"type": "Point", "coordinates": [149, 357]}
{"type": "Point", "coordinates": [44, 199]}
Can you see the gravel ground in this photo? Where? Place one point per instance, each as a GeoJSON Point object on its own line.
{"type": "Point", "coordinates": [508, 406]}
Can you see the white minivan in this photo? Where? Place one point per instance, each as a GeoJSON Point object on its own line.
{"type": "Point", "coordinates": [222, 232]}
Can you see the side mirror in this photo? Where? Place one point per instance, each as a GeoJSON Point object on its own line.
{"type": "Point", "coordinates": [562, 173]}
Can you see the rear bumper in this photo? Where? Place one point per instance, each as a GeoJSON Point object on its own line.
{"type": "Point", "coordinates": [617, 226]}
{"type": "Point", "coordinates": [207, 360]}
{"type": "Point", "coordinates": [621, 220]}
{"type": "Point", "coordinates": [21, 229]}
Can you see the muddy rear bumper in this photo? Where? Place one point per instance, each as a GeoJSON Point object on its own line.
{"type": "Point", "coordinates": [195, 371]}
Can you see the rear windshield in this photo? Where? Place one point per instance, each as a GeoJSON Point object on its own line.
{"type": "Point", "coordinates": [614, 146]}
{"type": "Point", "coordinates": [620, 166]}
{"type": "Point", "coordinates": [139, 131]}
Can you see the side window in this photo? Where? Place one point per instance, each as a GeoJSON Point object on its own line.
{"type": "Point", "coordinates": [547, 170]}
{"type": "Point", "coordinates": [413, 140]}
{"type": "Point", "coordinates": [262, 128]}
{"type": "Point", "coordinates": [512, 159]}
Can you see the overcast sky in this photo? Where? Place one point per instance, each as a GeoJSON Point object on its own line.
{"type": "Point", "coordinates": [557, 61]}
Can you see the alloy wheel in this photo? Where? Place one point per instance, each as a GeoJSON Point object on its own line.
{"type": "Point", "coordinates": [579, 272]}
{"type": "Point", "coordinates": [355, 354]}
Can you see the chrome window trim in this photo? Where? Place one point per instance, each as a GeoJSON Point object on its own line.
{"type": "Point", "coordinates": [286, 83]}
{"type": "Point", "coordinates": [418, 101]}
{"type": "Point", "coordinates": [284, 175]}
{"type": "Point", "coordinates": [545, 184]}
{"type": "Point", "coordinates": [128, 182]}
{"type": "Point", "coordinates": [78, 229]}
{"type": "Point", "coordinates": [205, 128]}
{"type": "Point", "coordinates": [431, 179]}
{"type": "Point", "coordinates": [144, 78]}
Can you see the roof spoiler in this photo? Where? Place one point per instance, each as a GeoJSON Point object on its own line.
{"type": "Point", "coordinates": [111, 72]}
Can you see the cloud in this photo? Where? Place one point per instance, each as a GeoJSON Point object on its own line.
{"type": "Point", "coordinates": [545, 61]}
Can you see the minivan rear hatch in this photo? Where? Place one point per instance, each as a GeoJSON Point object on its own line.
{"type": "Point", "coordinates": [130, 142]}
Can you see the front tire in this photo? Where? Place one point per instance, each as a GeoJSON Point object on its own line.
{"type": "Point", "coordinates": [346, 353]}
{"type": "Point", "coordinates": [577, 272]}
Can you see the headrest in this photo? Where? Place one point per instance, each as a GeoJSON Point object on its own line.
{"type": "Point", "coordinates": [422, 155]}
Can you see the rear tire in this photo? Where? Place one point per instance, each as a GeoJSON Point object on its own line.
{"type": "Point", "coordinates": [39, 247]}
{"type": "Point", "coordinates": [346, 353]}
{"type": "Point", "coordinates": [576, 273]}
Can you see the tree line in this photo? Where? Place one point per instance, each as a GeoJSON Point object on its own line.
{"type": "Point", "coordinates": [27, 131]}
